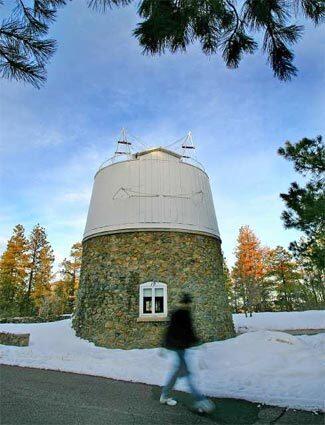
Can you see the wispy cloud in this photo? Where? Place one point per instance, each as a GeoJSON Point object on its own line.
{"type": "Point", "coordinates": [82, 196]}
{"type": "Point", "coordinates": [53, 140]}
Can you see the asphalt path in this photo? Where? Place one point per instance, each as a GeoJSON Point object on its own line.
{"type": "Point", "coordinates": [43, 397]}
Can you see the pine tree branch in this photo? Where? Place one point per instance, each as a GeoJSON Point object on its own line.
{"type": "Point", "coordinates": [24, 51]}
{"type": "Point", "coordinates": [219, 25]}
{"type": "Point", "coordinates": [103, 5]}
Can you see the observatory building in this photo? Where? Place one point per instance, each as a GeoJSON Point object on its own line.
{"type": "Point", "coordinates": [151, 234]}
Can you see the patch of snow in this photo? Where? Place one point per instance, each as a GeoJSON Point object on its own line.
{"type": "Point", "coordinates": [312, 319]}
{"type": "Point", "coordinates": [265, 366]}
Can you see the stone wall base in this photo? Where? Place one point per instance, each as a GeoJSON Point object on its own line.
{"type": "Point", "coordinates": [113, 267]}
{"type": "Point", "coordinates": [20, 340]}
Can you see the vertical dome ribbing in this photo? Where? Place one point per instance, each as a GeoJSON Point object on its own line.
{"type": "Point", "coordinates": [151, 222]}
{"type": "Point", "coordinates": [152, 190]}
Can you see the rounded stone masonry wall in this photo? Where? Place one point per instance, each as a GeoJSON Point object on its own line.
{"type": "Point", "coordinates": [114, 266]}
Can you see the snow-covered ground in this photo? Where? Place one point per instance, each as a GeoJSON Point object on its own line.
{"type": "Point", "coordinates": [263, 366]}
{"type": "Point", "coordinates": [312, 319]}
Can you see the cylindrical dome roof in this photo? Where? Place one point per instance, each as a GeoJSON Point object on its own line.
{"type": "Point", "coordinates": [153, 190]}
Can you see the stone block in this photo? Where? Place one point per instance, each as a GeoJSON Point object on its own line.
{"type": "Point", "coordinates": [20, 340]}
{"type": "Point", "coordinates": [107, 313]}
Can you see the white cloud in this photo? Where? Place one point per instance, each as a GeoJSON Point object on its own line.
{"type": "Point", "coordinates": [54, 140]}
{"type": "Point", "coordinates": [82, 196]}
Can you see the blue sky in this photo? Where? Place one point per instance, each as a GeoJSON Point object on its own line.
{"type": "Point", "coordinates": [54, 139]}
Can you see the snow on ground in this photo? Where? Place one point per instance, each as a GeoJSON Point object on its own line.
{"type": "Point", "coordinates": [264, 366]}
{"type": "Point", "coordinates": [313, 319]}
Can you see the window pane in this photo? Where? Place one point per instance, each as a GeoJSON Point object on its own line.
{"type": "Point", "coordinates": [147, 292]}
{"type": "Point", "coordinates": [147, 305]}
{"type": "Point", "coordinates": [159, 292]}
{"type": "Point", "coordinates": [159, 304]}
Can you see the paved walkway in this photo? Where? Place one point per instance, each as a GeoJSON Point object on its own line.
{"type": "Point", "coordinates": [39, 397]}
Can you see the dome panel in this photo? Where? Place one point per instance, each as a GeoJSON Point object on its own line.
{"type": "Point", "coordinates": [155, 190]}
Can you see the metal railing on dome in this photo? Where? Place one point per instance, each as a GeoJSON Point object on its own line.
{"type": "Point", "coordinates": [127, 157]}
{"type": "Point", "coordinates": [193, 161]}
{"type": "Point", "coordinates": [114, 159]}
{"type": "Point", "coordinates": [124, 151]}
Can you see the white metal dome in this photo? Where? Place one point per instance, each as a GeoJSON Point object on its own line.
{"type": "Point", "coordinates": [152, 190]}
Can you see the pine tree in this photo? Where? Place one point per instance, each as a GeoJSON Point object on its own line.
{"type": "Point", "coordinates": [70, 270]}
{"type": "Point", "coordinates": [55, 301]}
{"type": "Point", "coordinates": [224, 26]}
{"type": "Point", "coordinates": [230, 288]}
{"type": "Point", "coordinates": [286, 278]}
{"type": "Point", "coordinates": [24, 50]}
{"type": "Point", "coordinates": [249, 269]}
{"type": "Point", "coordinates": [40, 268]}
{"type": "Point", "coordinates": [308, 256]}
{"type": "Point", "coordinates": [61, 294]}
{"type": "Point", "coordinates": [13, 271]}
{"type": "Point", "coordinates": [305, 205]}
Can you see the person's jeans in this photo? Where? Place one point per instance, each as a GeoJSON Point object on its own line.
{"type": "Point", "coordinates": [181, 369]}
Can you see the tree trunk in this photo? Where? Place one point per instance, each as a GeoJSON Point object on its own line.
{"type": "Point", "coordinates": [30, 280]}
{"type": "Point", "coordinates": [31, 275]}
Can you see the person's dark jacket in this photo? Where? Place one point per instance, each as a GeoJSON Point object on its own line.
{"type": "Point", "coordinates": [180, 333]}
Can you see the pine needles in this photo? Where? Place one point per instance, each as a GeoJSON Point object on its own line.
{"type": "Point", "coordinates": [24, 48]}
{"type": "Point", "coordinates": [220, 26]}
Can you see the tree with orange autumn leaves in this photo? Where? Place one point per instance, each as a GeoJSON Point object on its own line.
{"type": "Point", "coordinates": [40, 267]}
{"type": "Point", "coordinates": [262, 279]}
{"type": "Point", "coordinates": [14, 264]}
{"type": "Point", "coordinates": [25, 272]}
{"type": "Point", "coordinates": [286, 277]}
{"type": "Point", "coordinates": [265, 279]}
{"type": "Point", "coordinates": [27, 285]}
{"type": "Point", "coordinates": [249, 270]}
{"type": "Point", "coordinates": [64, 285]}
{"type": "Point", "coordinates": [70, 272]}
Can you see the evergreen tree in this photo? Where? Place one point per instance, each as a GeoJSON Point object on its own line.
{"type": "Point", "coordinates": [13, 271]}
{"type": "Point", "coordinates": [70, 270]}
{"type": "Point", "coordinates": [61, 294]}
{"type": "Point", "coordinates": [305, 205]}
{"type": "Point", "coordinates": [224, 26]}
{"type": "Point", "coordinates": [40, 268]}
{"type": "Point", "coordinates": [24, 48]}
{"type": "Point", "coordinates": [312, 286]}
{"type": "Point", "coordinates": [286, 278]}
{"type": "Point", "coordinates": [55, 301]}
{"type": "Point", "coordinates": [228, 285]}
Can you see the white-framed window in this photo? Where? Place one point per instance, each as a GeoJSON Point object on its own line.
{"type": "Point", "coordinates": [153, 299]}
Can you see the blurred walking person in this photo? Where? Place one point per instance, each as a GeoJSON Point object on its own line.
{"type": "Point", "coordinates": [179, 337]}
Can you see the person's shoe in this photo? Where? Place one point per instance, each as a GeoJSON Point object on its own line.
{"type": "Point", "coordinates": [204, 406]}
{"type": "Point", "coordinates": [167, 400]}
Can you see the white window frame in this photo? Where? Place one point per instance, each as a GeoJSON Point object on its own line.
{"type": "Point", "coordinates": [152, 285]}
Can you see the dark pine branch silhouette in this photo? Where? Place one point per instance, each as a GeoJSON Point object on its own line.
{"type": "Point", "coordinates": [24, 48]}
{"type": "Point", "coordinates": [220, 26]}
